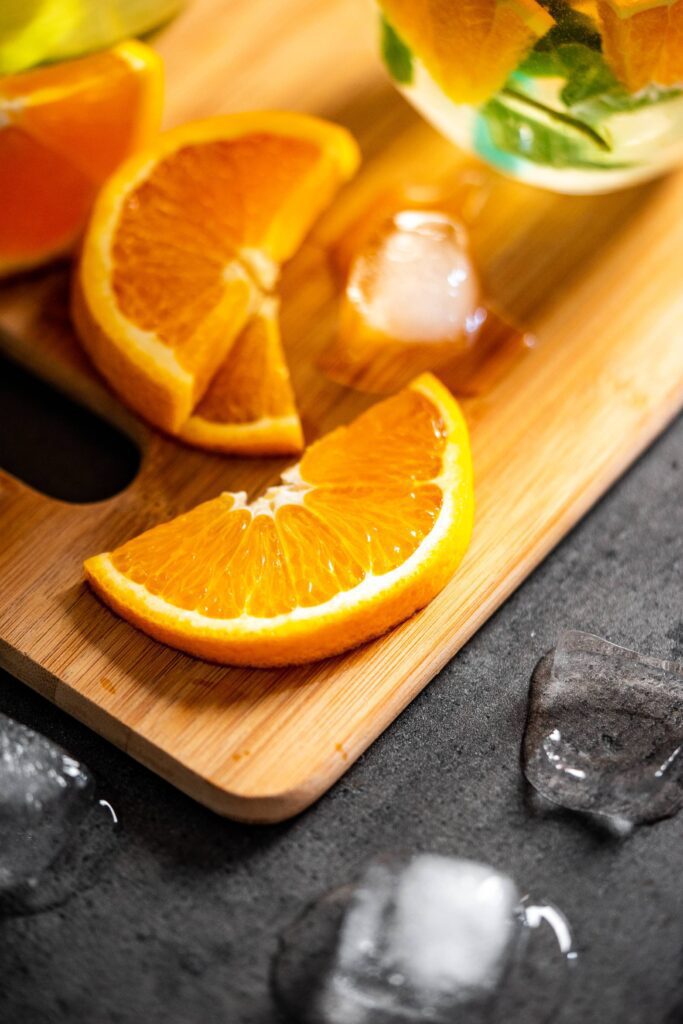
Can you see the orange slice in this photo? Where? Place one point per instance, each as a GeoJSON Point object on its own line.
{"type": "Point", "coordinates": [249, 407]}
{"type": "Point", "coordinates": [63, 130]}
{"type": "Point", "coordinates": [469, 46]}
{"type": "Point", "coordinates": [184, 236]}
{"type": "Point", "coordinates": [643, 41]}
{"type": "Point", "coordinates": [365, 530]}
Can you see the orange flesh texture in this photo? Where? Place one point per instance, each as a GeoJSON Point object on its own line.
{"type": "Point", "coordinates": [625, 8]}
{"type": "Point", "coordinates": [186, 222]}
{"type": "Point", "coordinates": [253, 382]}
{"type": "Point", "coordinates": [45, 199]}
{"type": "Point", "coordinates": [470, 46]}
{"type": "Point", "coordinates": [69, 125]}
{"type": "Point", "coordinates": [643, 46]}
{"type": "Point", "coordinates": [223, 563]}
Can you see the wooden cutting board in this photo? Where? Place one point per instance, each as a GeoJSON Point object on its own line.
{"type": "Point", "coordinates": [596, 279]}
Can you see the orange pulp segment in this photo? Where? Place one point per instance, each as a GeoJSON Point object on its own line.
{"type": "Point", "coordinates": [182, 239]}
{"type": "Point", "coordinates": [249, 407]}
{"type": "Point", "coordinates": [643, 41]}
{"type": "Point", "coordinates": [470, 46]}
{"type": "Point", "coordinates": [63, 129]}
{"type": "Point", "coordinates": [365, 530]}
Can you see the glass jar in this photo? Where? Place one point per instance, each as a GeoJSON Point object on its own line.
{"type": "Point", "coordinates": [578, 97]}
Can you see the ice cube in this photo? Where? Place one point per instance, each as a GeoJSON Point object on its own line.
{"type": "Point", "coordinates": [412, 303]}
{"type": "Point", "coordinates": [426, 939]}
{"type": "Point", "coordinates": [415, 282]}
{"type": "Point", "coordinates": [43, 792]}
{"type": "Point", "coordinates": [604, 734]}
{"type": "Point", "coordinates": [55, 835]}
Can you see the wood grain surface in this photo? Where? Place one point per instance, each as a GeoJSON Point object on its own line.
{"type": "Point", "coordinates": [595, 279]}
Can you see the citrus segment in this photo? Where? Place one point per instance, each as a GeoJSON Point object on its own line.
{"type": "Point", "coordinates": [643, 41]}
{"type": "Point", "coordinates": [182, 238]}
{"type": "Point", "coordinates": [45, 201]}
{"type": "Point", "coordinates": [393, 524]}
{"type": "Point", "coordinates": [158, 380]}
{"type": "Point", "coordinates": [63, 129]}
{"type": "Point", "coordinates": [469, 47]}
{"type": "Point", "coordinates": [340, 551]}
{"type": "Point", "coordinates": [405, 442]}
{"type": "Point", "coordinates": [249, 407]}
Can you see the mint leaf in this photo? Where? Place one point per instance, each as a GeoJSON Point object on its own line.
{"type": "Point", "coordinates": [542, 64]}
{"type": "Point", "coordinates": [521, 127]}
{"type": "Point", "coordinates": [591, 91]}
{"type": "Point", "coordinates": [572, 50]}
{"type": "Point", "coordinates": [586, 72]}
{"type": "Point", "coordinates": [396, 55]}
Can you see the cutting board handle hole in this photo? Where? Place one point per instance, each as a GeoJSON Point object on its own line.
{"type": "Point", "coordinates": [56, 446]}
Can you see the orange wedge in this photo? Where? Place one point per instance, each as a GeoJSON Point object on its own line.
{"type": "Point", "coordinates": [643, 41]}
{"type": "Point", "coordinates": [365, 530]}
{"type": "Point", "coordinates": [63, 130]}
{"type": "Point", "coordinates": [469, 46]}
{"type": "Point", "coordinates": [182, 240]}
{"type": "Point", "coordinates": [249, 407]}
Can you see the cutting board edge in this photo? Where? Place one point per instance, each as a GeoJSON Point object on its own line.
{"type": "Point", "coordinates": [274, 808]}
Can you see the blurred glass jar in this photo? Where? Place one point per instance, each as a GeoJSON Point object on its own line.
{"type": "Point", "coordinates": [577, 96]}
{"type": "Point", "coordinates": [34, 31]}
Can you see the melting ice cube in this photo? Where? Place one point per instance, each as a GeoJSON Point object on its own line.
{"type": "Point", "coordinates": [412, 303]}
{"type": "Point", "coordinates": [604, 734]}
{"type": "Point", "coordinates": [42, 792]}
{"type": "Point", "coordinates": [46, 798]}
{"type": "Point", "coordinates": [425, 938]}
{"type": "Point", "coordinates": [415, 282]}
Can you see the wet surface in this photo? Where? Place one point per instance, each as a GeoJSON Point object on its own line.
{"type": "Point", "coordinates": [605, 732]}
{"type": "Point", "coordinates": [183, 921]}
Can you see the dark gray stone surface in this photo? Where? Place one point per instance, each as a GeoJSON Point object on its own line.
{"type": "Point", "coordinates": [182, 924]}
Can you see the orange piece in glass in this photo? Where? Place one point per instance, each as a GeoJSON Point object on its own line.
{"type": "Point", "coordinates": [643, 41]}
{"type": "Point", "coordinates": [469, 46]}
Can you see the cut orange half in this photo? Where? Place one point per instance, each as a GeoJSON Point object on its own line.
{"type": "Point", "coordinates": [63, 130]}
{"type": "Point", "coordinates": [469, 46]}
{"type": "Point", "coordinates": [183, 238]}
{"type": "Point", "coordinates": [365, 530]}
{"type": "Point", "coordinates": [249, 407]}
{"type": "Point", "coordinates": [643, 41]}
